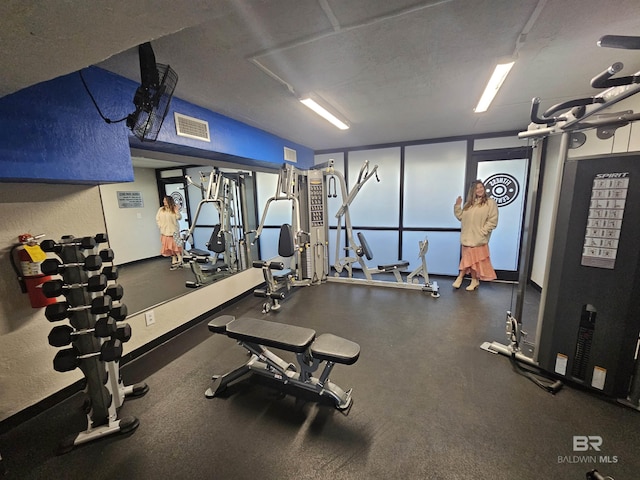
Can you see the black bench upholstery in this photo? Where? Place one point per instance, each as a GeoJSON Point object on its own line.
{"type": "Point", "coordinates": [335, 349]}
{"type": "Point", "coordinates": [271, 334]}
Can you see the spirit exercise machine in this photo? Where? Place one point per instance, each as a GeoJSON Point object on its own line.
{"type": "Point", "coordinates": [302, 244]}
{"type": "Point", "coordinates": [588, 329]}
{"type": "Point", "coordinates": [356, 250]}
{"type": "Point", "coordinates": [312, 352]}
{"type": "Point", "coordinates": [227, 251]}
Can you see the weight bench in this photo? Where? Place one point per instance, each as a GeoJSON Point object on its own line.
{"type": "Point", "coordinates": [311, 352]}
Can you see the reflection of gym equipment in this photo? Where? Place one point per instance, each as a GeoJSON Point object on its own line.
{"type": "Point", "coordinates": [588, 325]}
{"type": "Point", "coordinates": [301, 244]}
{"type": "Point", "coordinates": [361, 248]}
{"type": "Point", "coordinates": [205, 267]}
{"type": "Point", "coordinates": [311, 352]}
{"type": "Point", "coordinates": [227, 252]}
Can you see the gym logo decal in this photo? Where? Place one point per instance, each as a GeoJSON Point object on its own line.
{"type": "Point", "coordinates": [503, 188]}
{"type": "Point", "coordinates": [179, 199]}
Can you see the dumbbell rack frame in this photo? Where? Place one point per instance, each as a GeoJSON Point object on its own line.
{"type": "Point", "coordinates": [104, 387]}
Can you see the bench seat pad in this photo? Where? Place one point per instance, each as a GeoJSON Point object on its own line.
{"type": "Point", "coordinates": [335, 349]}
{"type": "Point", "coordinates": [219, 324]}
{"type": "Point", "coordinates": [271, 334]}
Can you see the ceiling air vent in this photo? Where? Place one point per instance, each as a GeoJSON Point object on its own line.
{"type": "Point", "coordinates": [191, 127]}
{"type": "Point", "coordinates": [290, 155]}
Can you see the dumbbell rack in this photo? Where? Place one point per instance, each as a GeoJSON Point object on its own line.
{"type": "Point", "coordinates": [85, 305]}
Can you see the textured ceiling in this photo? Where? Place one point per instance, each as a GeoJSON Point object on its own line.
{"type": "Point", "coordinates": [398, 70]}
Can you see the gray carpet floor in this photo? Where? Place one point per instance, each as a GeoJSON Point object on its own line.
{"type": "Point", "coordinates": [428, 404]}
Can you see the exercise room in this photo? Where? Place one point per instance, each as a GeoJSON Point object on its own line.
{"type": "Point", "coordinates": [320, 239]}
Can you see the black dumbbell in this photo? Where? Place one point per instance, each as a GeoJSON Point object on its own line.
{"type": "Point", "coordinates": [115, 291]}
{"type": "Point", "coordinates": [52, 266]}
{"type": "Point", "coordinates": [63, 334]}
{"type": "Point", "coordinates": [123, 333]}
{"type": "Point", "coordinates": [61, 310]}
{"type": "Point", "coordinates": [70, 358]}
{"type": "Point", "coordinates": [101, 238]}
{"type": "Point", "coordinates": [111, 272]}
{"type": "Point", "coordinates": [119, 312]}
{"type": "Point", "coordinates": [55, 288]}
{"type": "Point", "coordinates": [107, 255]}
{"type": "Point", "coordinates": [85, 243]}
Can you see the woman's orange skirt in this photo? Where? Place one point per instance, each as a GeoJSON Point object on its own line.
{"type": "Point", "coordinates": [169, 247]}
{"type": "Point", "coordinates": [477, 259]}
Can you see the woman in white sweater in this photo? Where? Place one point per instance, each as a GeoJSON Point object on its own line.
{"type": "Point", "coordinates": [167, 220]}
{"type": "Point", "coordinates": [478, 217]}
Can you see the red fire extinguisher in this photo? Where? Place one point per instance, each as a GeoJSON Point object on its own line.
{"type": "Point", "coordinates": [26, 258]}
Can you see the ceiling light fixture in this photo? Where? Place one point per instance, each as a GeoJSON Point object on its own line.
{"type": "Point", "coordinates": [323, 112]}
{"type": "Point", "coordinates": [495, 82]}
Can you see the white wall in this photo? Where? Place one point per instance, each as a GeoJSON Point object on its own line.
{"type": "Point", "coordinates": [26, 369]}
{"type": "Point", "coordinates": [133, 233]}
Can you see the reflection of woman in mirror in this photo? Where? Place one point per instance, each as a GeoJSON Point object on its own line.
{"type": "Point", "coordinates": [167, 220]}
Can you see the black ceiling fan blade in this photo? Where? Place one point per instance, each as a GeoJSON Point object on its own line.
{"type": "Point", "coordinates": [620, 41]}
{"type": "Point", "coordinates": [148, 71]}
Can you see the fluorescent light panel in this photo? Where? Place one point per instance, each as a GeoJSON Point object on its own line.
{"type": "Point", "coordinates": [324, 113]}
{"type": "Point", "coordinates": [495, 82]}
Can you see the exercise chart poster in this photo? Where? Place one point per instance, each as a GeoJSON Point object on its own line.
{"type": "Point", "coordinates": [604, 223]}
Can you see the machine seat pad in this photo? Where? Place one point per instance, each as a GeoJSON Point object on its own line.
{"type": "Point", "coordinates": [269, 265]}
{"type": "Point", "coordinates": [219, 324]}
{"type": "Point", "coordinates": [335, 349]}
{"type": "Point", "coordinates": [271, 334]}
{"type": "Point", "coordinates": [218, 267]}
{"type": "Point", "coordinates": [199, 253]}
{"type": "Point", "coordinates": [393, 266]}
{"type": "Point", "coordinates": [282, 273]}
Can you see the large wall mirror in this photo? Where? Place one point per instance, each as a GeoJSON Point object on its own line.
{"type": "Point", "coordinates": [220, 209]}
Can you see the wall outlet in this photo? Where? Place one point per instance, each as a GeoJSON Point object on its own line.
{"type": "Point", "coordinates": [149, 318]}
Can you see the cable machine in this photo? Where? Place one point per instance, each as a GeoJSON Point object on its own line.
{"type": "Point", "coordinates": [303, 243]}
{"type": "Point", "coordinates": [588, 328]}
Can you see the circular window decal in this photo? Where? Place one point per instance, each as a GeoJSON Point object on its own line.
{"type": "Point", "coordinates": [503, 188]}
{"type": "Point", "coordinates": [179, 199]}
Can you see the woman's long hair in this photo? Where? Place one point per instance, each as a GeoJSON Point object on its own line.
{"type": "Point", "coordinates": [171, 204]}
{"type": "Point", "coordinates": [471, 195]}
